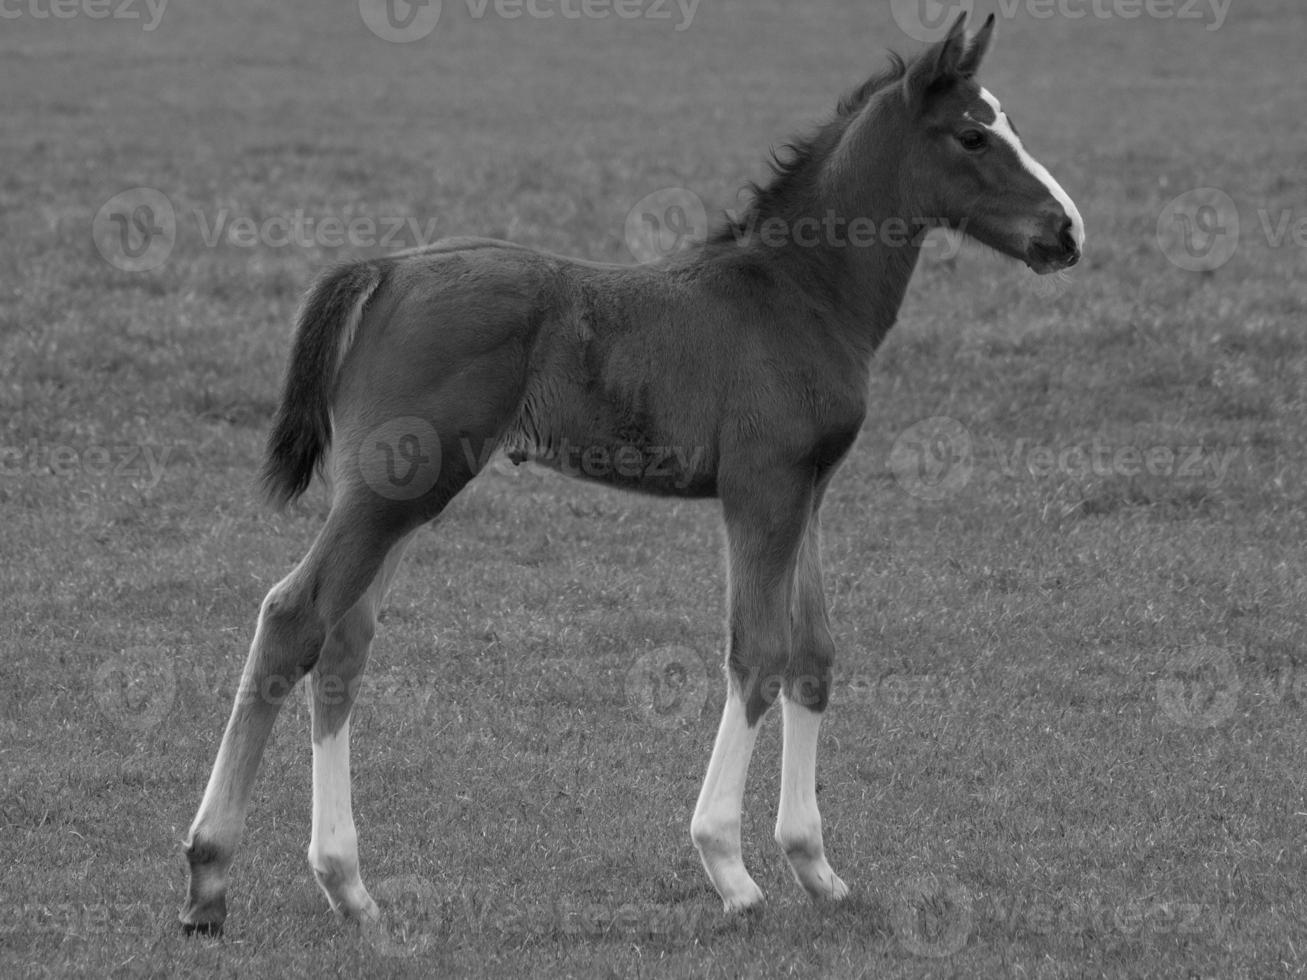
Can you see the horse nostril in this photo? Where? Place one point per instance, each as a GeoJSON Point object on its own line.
{"type": "Point", "coordinates": [1066, 239]}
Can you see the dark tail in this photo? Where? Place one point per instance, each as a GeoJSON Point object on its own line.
{"type": "Point", "coordinates": [324, 333]}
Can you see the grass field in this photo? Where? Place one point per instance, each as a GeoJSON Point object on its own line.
{"type": "Point", "coordinates": [1069, 732]}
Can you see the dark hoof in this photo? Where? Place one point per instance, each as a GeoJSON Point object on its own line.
{"type": "Point", "coordinates": [204, 918]}
{"type": "Point", "coordinates": [213, 929]}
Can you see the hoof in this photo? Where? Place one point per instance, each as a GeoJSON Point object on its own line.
{"type": "Point", "coordinates": [747, 899]}
{"type": "Point", "coordinates": [820, 881]}
{"type": "Point", "coordinates": [204, 919]}
{"type": "Point", "coordinates": [835, 891]}
{"type": "Point", "coordinates": [213, 929]}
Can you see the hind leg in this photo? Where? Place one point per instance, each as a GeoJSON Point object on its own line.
{"type": "Point", "coordinates": [294, 622]}
{"type": "Point", "coordinates": [333, 847]}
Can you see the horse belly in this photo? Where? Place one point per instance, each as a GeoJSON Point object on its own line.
{"type": "Point", "coordinates": [662, 470]}
{"type": "Point", "coordinates": [582, 437]}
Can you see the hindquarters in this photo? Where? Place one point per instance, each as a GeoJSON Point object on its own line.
{"type": "Point", "coordinates": [411, 369]}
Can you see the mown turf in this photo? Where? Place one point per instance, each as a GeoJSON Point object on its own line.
{"type": "Point", "coordinates": [1068, 732]}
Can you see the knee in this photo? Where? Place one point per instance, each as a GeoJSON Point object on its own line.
{"type": "Point", "coordinates": [757, 671]}
{"type": "Point", "coordinates": [808, 675]}
{"type": "Point", "coordinates": [290, 627]}
{"type": "Point", "coordinates": [759, 686]}
{"type": "Point", "coordinates": [285, 605]}
{"type": "Point", "coordinates": [801, 839]}
{"type": "Point", "coordinates": [710, 834]}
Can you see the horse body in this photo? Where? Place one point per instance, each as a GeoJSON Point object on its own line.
{"type": "Point", "coordinates": [635, 377]}
{"type": "Point", "coordinates": [736, 370]}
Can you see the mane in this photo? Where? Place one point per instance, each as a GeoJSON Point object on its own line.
{"type": "Point", "coordinates": [796, 164]}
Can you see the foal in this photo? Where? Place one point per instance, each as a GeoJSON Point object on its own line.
{"type": "Point", "coordinates": [737, 370]}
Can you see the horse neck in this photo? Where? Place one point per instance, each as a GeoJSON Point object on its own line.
{"type": "Point", "coordinates": [856, 275]}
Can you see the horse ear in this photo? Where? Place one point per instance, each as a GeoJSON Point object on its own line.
{"type": "Point", "coordinates": [969, 64]}
{"type": "Point", "coordinates": [937, 63]}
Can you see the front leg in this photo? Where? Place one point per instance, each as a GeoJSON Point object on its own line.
{"type": "Point", "coordinates": [766, 510]}
{"type": "Point", "coordinates": [807, 691]}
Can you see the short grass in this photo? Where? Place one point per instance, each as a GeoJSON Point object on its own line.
{"type": "Point", "coordinates": [1069, 736]}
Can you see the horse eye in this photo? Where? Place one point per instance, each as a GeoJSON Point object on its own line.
{"type": "Point", "coordinates": [972, 140]}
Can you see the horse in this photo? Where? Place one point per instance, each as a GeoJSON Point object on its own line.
{"type": "Point", "coordinates": [748, 353]}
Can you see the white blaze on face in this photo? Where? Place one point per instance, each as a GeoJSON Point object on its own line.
{"type": "Point", "coordinates": [1002, 128]}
